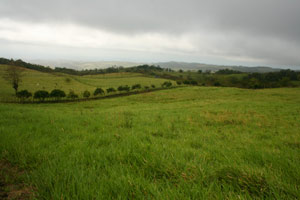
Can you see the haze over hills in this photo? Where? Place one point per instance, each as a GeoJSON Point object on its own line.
{"type": "Point", "coordinates": [79, 65]}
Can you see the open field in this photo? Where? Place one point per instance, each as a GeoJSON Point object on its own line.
{"type": "Point", "coordinates": [185, 143]}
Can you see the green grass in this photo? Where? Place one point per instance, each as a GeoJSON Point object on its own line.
{"type": "Point", "coordinates": [33, 80]}
{"type": "Point", "coordinates": [185, 143]}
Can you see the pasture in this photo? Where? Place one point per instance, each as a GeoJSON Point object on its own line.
{"type": "Point", "coordinates": [184, 143]}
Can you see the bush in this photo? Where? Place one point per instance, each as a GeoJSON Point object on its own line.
{"type": "Point", "coordinates": [98, 91]}
{"type": "Point", "coordinates": [109, 90]}
{"type": "Point", "coordinates": [167, 84]}
{"type": "Point", "coordinates": [153, 86]}
{"type": "Point", "coordinates": [217, 84]}
{"type": "Point", "coordinates": [186, 82]}
{"type": "Point", "coordinates": [193, 82]}
{"type": "Point", "coordinates": [86, 94]}
{"type": "Point", "coordinates": [72, 95]}
{"type": "Point", "coordinates": [57, 94]}
{"type": "Point", "coordinates": [136, 86]}
{"type": "Point", "coordinates": [24, 94]}
{"type": "Point", "coordinates": [68, 80]}
{"type": "Point", "coordinates": [178, 82]}
{"type": "Point", "coordinates": [124, 88]}
{"type": "Point", "coordinates": [147, 87]}
{"type": "Point", "coordinates": [41, 95]}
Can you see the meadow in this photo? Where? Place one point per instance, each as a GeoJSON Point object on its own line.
{"type": "Point", "coordinates": [186, 143]}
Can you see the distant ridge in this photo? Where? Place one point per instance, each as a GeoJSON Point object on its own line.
{"type": "Point", "coordinates": [80, 65]}
{"type": "Point", "coordinates": [205, 67]}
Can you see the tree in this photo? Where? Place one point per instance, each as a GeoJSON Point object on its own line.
{"type": "Point", "coordinates": [109, 90]}
{"type": "Point", "coordinates": [98, 91]}
{"type": "Point", "coordinates": [124, 88]}
{"type": "Point", "coordinates": [166, 84]}
{"type": "Point", "coordinates": [24, 94]}
{"type": "Point", "coordinates": [136, 86]}
{"type": "Point", "coordinates": [13, 75]}
{"type": "Point", "coordinates": [146, 87]}
{"type": "Point", "coordinates": [41, 95]}
{"type": "Point", "coordinates": [178, 82]}
{"type": "Point", "coordinates": [72, 95]}
{"type": "Point", "coordinates": [57, 94]}
{"type": "Point", "coordinates": [86, 94]}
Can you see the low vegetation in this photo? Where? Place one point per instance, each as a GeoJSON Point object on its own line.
{"type": "Point", "coordinates": [188, 142]}
{"type": "Point", "coordinates": [184, 143]}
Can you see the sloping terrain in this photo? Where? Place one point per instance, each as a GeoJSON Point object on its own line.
{"type": "Point", "coordinates": [185, 143]}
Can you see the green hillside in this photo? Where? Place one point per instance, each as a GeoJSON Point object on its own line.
{"type": "Point", "coordinates": [34, 80]}
{"type": "Point", "coordinates": [186, 143]}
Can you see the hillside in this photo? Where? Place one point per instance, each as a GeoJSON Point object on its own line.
{"type": "Point", "coordinates": [33, 80]}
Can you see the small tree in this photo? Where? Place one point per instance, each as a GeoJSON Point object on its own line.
{"type": "Point", "coordinates": [68, 80]}
{"type": "Point", "coordinates": [178, 82]}
{"type": "Point", "coordinates": [41, 95]}
{"type": "Point", "coordinates": [86, 94]}
{"type": "Point", "coordinates": [124, 88]}
{"type": "Point", "coordinates": [57, 94]}
{"type": "Point", "coordinates": [98, 91]}
{"type": "Point", "coordinates": [109, 90]}
{"type": "Point", "coordinates": [13, 75]}
{"type": "Point", "coordinates": [146, 87]}
{"type": "Point", "coordinates": [24, 94]}
{"type": "Point", "coordinates": [193, 82]}
{"type": "Point", "coordinates": [136, 86]}
{"type": "Point", "coordinates": [167, 84]}
{"type": "Point", "coordinates": [72, 95]}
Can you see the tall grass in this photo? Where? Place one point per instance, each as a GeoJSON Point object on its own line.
{"type": "Point", "coordinates": [186, 143]}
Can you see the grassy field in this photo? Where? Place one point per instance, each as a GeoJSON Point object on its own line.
{"type": "Point", "coordinates": [33, 80]}
{"type": "Point", "coordinates": [184, 143]}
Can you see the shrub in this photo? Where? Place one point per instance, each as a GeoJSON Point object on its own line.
{"type": "Point", "coordinates": [109, 90]}
{"type": "Point", "coordinates": [136, 86]}
{"type": "Point", "coordinates": [72, 95]}
{"type": "Point", "coordinates": [193, 82]}
{"type": "Point", "coordinates": [24, 94]}
{"type": "Point", "coordinates": [41, 95]}
{"type": "Point", "coordinates": [178, 82]}
{"type": "Point", "coordinates": [124, 88]}
{"type": "Point", "coordinates": [217, 84]}
{"type": "Point", "coordinates": [146, 87]}
{"type": "Point", "coordinates": [167, 84]}
{"type": "Point", "coordinates": [57, 94]}
{"type": "Point", "coordinates": [186, 82]}
{"type": "Point", "coordinates": [153, 86]}
{"type": "Point", "coordinates": [68, 80]}
{"type": "Point", "coordinates": [86, 94]}
{"type": "Point", "coordinates": [98, 91]}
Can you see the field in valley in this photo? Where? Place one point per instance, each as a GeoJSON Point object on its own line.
{"type": "Point", "coordinates": [185, 143]}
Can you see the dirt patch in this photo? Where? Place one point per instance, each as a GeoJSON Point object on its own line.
{"type": "Point", "coordinates": [11, 184]}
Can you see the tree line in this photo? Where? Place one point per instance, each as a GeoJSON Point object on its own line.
{"type": "Point", "coordinates": [57, 94]}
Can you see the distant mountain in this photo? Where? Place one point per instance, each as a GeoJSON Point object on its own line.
{"type": "Point", "coordinates": [78, 65]}
{"type": "Point", "coordinates": [205, 67]}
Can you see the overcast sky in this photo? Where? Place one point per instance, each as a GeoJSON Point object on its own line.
{"type": "Point", "coordinates": [240, 32]}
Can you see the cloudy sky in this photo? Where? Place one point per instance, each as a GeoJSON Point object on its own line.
{"type": "Point", "coordinates": [240, 32]}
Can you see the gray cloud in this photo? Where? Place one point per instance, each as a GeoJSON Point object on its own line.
{"type": "Point", "coordinates": [266, 29]}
